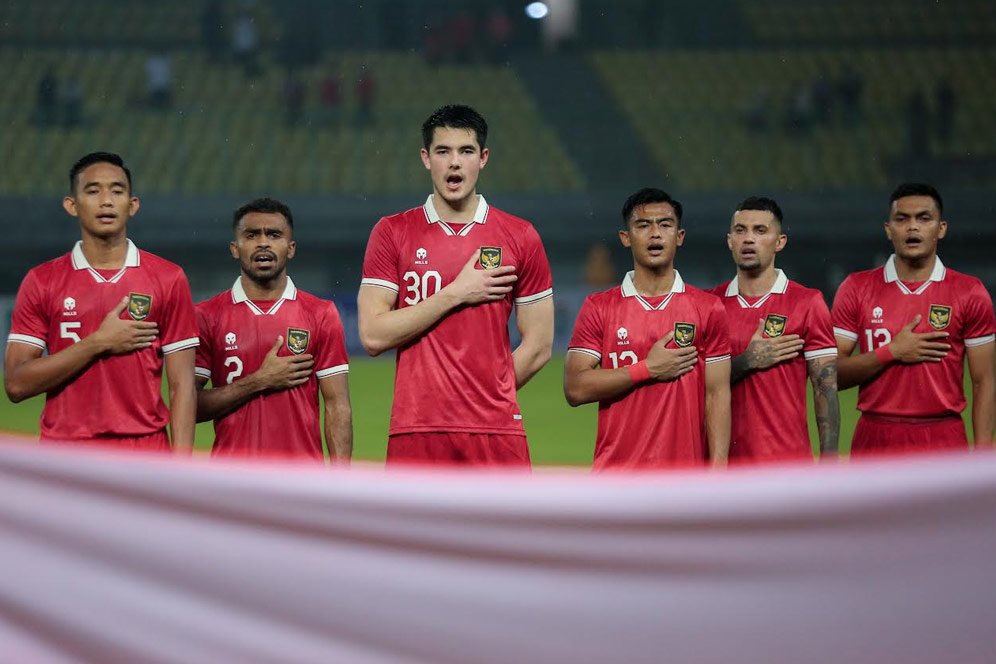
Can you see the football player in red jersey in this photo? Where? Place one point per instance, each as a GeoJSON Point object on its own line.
{"type": "Point", "coordinates": [654, 353]}
{"type": "Point", "coordinates": [439, 283]}
{"type": "Point", "coordinates": [269, 349]}
{"type": "Point", "coordinates": [93, 329]}
{"type": "Point", "coordinates": [780, 332]}
{"type": "Point", "coordinates": [913, 322]}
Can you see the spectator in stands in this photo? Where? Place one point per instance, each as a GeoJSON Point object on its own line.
{"type": "Point", "coordinates": [462, 33]}
{"type": "Point", "coordinates": [499, 31]}
{"type": "Point", "coordinates": [850, 87]}
{"type": "Point", "coordinates": [823, 98]}
{"type": "Point", "coordinates": [758, 110]}
{"type": "Point", "coordinates": [365, 96]}
{"type": "Point", "coordinates": [47, 100]}
{"type": "Point", "coordinates": [245, 43]}
{"type": "Point", "coordinates": [71, 100]}
{"type": "Point", "coordinates": [159, 81]}
{"type": "Point", "coordinates": [799, 115]}
{"type": "Point", "coordinates": [330, 97]}
{"type": "Point", "coordinates": [599, 272]}
{"type": "Point", "coordinates": [944, 98]}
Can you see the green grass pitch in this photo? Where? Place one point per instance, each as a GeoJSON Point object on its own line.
{"type": "Point", "coordinates": [558, 434]}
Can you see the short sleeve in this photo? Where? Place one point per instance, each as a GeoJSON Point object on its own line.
{"type": "Point", "coordinates": [535, 280]}
{"type": "Point", "coordinates": [380, 263]}
{"type": "Point", "coordinates": [205, 349]}
{"type": "Point", "coordinates": [178, 325]}
{"type": "Point", "coordinates": [331, 359]}
{"type": "Point", "coordinates": [29, 323]}
{"type": "Point", "coordinates": [819, 339]}
{"type": "Point", "coordinates": [587, 336]}
{"type": "Point", "coordinates": [980, 324]}
{"type": "Point", "coordinates": [845, 315]}
{"type": "Point", "coordinates": [716, 337]}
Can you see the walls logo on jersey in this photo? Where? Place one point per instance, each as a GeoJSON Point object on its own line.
{"type": "Point", "coordinates": [684, 334]}
{"type": "Point", "coordinates": [230, 341]}
{"type": "Point", "coordinates": [69, 307]}
{"type": "Point", "coordinates": [421, 256]}
{"type": "Point", "coordinates": [622, 334]}
{"type": "Point", "coordinates": [877, 315]}
{"type": "Point", "coordinates": [490, 257]}
{"type": "Point", "coordinates": [297, 340]}
{"type": "Point", "coordinates": [774, 325]}
{"type": "Point", "coordinates": [139, 305]}
{"type": "Point", "coordinates": [940, 316]}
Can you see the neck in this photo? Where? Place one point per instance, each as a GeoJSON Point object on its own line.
{"type": "Point", "coordinates": [755, 283]}
{"type": "Point", "coordinates": [105, 253]}
{"type": "Point", "coordinates": [269, 290]}
{"type": "Point", "coordinates": [651, 282]}
{"type": "Point", "coordinates": [457, 212]}
{"type": "Point", "coordinates": [918, 269]}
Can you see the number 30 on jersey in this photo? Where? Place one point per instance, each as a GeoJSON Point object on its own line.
{"type": "Point", "coordinates": [420, 287]}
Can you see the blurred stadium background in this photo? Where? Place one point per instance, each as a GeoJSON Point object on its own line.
{"type": "Point", "coordinates": [823, 105]}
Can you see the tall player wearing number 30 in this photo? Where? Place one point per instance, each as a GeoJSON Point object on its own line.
{"type": "Point", "coordinates": [268, 349]}
{"type": "Point", "coordinates": [654, 353]}
{"type": "Point", "coordinates": [913, 322]}
{"type": "Point", "coordinates": [439, 284]}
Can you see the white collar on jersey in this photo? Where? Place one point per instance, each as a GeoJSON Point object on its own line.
{"type": "Point", "coordinates": [239, 296]}
{"type": "Point", "coordinates": [81, 263]}
{"type": "Point", "coordinates": [891, 276]}
{"type": "Point", "coordinates": [629, 290]}
{"type": "Point", "coordinates": [779, 287]}
{"type": "Point", "coordinates": [480, 216]}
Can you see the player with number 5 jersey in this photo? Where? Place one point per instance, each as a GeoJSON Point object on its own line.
{"type": "Point", "coordinates": [439, 283]}
{"type": "Point", "coordinates": [913, 323]}
{"type": "Point", "coordinates": [654, 353]}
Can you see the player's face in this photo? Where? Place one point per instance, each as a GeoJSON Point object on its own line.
{"type": "Point", "coordinates": [914, 227]}
{"type": "Point", "coordinates": [653, 235]}
{"type": "Point", "coordinates": [102, 200]}
{"type": "Point", "coordinates": [263, 244]}
{"type": "Point", "coordinates": [454, 160]}
{"type": "Point", "coordinates": [755, 237]}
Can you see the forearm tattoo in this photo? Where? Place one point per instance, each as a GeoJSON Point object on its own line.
{"type": "Point", "coordinates": [823, 374]}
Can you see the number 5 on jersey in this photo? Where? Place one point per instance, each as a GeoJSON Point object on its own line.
{"type": "Point", "coordinates": [422, 286]}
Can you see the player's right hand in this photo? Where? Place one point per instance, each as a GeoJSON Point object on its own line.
{"type": "Point", "coordinates": [119, 336]}
{"type": "Point", "coordinates": [281, 373]}
{"type": "Point", "coordinates": [666, 363]}
{"type": "Point", "coordinates": [911, 347]}
{"type": "Point", "coordinates": [473, 286]}
{"type": "Point", "coordinates": [764, 352]}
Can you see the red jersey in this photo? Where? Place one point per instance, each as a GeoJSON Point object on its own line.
{"type": "Point", "coordinates": [768, 407]}
{"type": "Point", "coordinates": [65, 300]}
{"type": "Point", "coordinates": [873, 306]}
{"type": "Point", "coordinates": [659, 423]}
{"type": "Point", "coordinates": [458, 376]}
{"type": "Point", "coordinates": [236, 335]}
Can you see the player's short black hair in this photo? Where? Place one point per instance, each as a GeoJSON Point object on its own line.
{"type": "Point", "coordinates": [455, 116]}
{"type": "Point", "coordinates": [265, 205]}
{"type": "Point", "coordinates": [96, 158]}
{"type": "Point", "coordinates": [763, 204]}
{"type": "Point", "coordinates": [649, 195]}
{"type": "Point", "coordinates": [917, 189]}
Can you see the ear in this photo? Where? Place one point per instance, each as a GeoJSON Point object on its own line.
{"type": "Point", "coordinates": [679, 237]}
{"type": "Point", "coordinates": [485, 153]}
{"type": "Point", "coordinates": [133, 206]}
{"type": "Point", "coordinates": [291, 249]}
{"type": "Point", "coordinates": [781, 242]}
{"type": "Point", "coordinates": [624, 238]}
{"type": "Point", "coordinates": [425, 159]}
{"type": "Point", "coordinates": [942, 229]}
{"type": "Point", "coordinates": [233, 249]}
{"type": "Point", "coordinates": [729, 241]}
{"type": "Point", "coordinates": [888, 231]}
{"type": "Point", "coordinates": [69, 205]}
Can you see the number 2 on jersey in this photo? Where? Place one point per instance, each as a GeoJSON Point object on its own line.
{"type": "Point", "coordinates": [422, 286]}
{"type": "Point", "coordinates": [234, 373]}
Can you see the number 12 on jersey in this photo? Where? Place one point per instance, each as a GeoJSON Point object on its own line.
{"type": "Point", "coordinates": [627, 356]}
{"type": "Point", "coordinates": [877, 338]}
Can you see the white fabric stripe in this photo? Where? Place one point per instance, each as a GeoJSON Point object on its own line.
{"type": "Point", "coordinates": [202, 372]}
{"type": "Point", "coordinates": [27, 339]}
{"type": "Point", "coordinates": [846, 334]}
{"type": "Point", "coordinates": [819, 352]}
{"type": "Point", "coordinates": [380, 283]}
{"type": "Point", "coordinates": [980, 341]}
{"type": "Point", "coordinates": [719, 358]}
{"type": "Point", "coordinates": [587, 351]}
{"type": "Point", "coordinates": [183, 344]}
{"type": "Point", "coordinates": [332, 371]}
{"type": "Point", "coordinates": [536, 297]}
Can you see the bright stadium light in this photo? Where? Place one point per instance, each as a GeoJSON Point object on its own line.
{"type": "Point", "coordinates": [537, 10]}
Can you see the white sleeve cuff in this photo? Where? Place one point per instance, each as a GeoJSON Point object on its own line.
{"type": "Point", "coordinates": [718, 358]}
{"type": "Point", "coordinates": [820, 352]}
{"type": "Point", "coordinates": [529, 299]}
{"type": "Point", "coordinates": [587, 351]}
{"type": "Point", "coordinates": [332, 371]}
{"type": "Point", "coordinates": [845, 334]}
{"type": "Point", "coordinates": [380, 283]}
{"type": "Point", "coordinates": [183, 344]}
{"type": "Point", "coordinates": [27, 339]}
{"type": "Point", "coordinates": [202, 372]}
{"type": "Point", "coordinates": [976, 341]}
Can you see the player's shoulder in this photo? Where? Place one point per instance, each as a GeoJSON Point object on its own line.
{"type": "Point", "coordinates": [403, 218]}
{"type": "Point", "coordinates": [605, 297]}
{"type": "Point", "coordinates": [865, 277]}
{"type": "Point", "coordinates": [44, 272]}
{"type": "Point", "coordinates": [158, 264]}
{"type": "Point", "coordinates": [702, 296]}
{"type": "Point", "coordinates": [508, 220]}
{"type": "Point", "coordinates": [961, 280]}
{"type": "Point", "coordinates": [799, 291]}
{"type": "Point", "coordinates": [312, 301]}
{"type": "Point", "coordinates": [219, 301]}
{"type": "Point", "coordinates": [719, 290]}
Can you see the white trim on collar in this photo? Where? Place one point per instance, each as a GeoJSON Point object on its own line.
{"type": "Point", "coordinates": [892, 276]}
{"type": "Point", "coordinates": [239, 296]}
{"type": "Point", "coordinates": [81, 263]}
{"type": "Point", "coordinates": [432, 216]}
{"type": "Point", "coordinates": [629, 290]}
{"type": "Point", "coordinates": [779, 287]}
